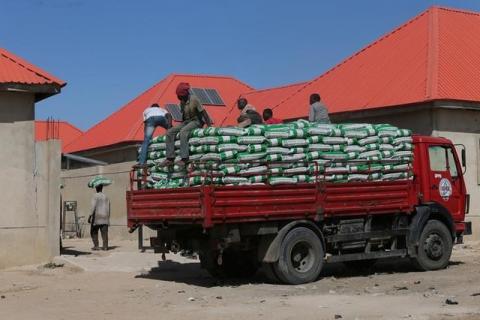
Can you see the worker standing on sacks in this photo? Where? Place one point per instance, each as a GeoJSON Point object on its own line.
{"type": "Point", "coordinates": [193, 116]}
{"type": "Point", "coordinates": [318, 111]}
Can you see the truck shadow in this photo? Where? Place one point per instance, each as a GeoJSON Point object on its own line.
{"type": "Point", "coordinates": [193, 274]}
{"type": "Point", "coordinates": [188, 273]}
{"type": "Point", "coordinates": [387, 266]}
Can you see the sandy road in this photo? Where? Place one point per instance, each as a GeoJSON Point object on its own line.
{"type": "Point", "coordinates": [126, 284]}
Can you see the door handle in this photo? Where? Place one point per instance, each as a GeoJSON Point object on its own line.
{"type": "Point", "coordinates": [434, 187]}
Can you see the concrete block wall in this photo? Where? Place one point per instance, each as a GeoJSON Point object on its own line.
{"type": "Point", "coordinates": [29, 180]}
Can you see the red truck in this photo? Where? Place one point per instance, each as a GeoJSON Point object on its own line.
{"type": "Point", "coordinates": [291, 231]}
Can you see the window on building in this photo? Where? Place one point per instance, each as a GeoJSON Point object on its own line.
{"type": "Point", "coordinates": [208, 96]}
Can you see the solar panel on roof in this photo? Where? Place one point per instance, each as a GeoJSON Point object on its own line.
{"type": "Point", "coordinates": [214, 97]}
{"type": "Point", "coordinates": [201, 95]}
{"type": "Point", "coordinates": [207, 96]}
{"type": "Point", "coordinates": [175, 111]}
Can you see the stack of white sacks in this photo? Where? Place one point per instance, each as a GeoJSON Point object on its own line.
{"type": "Point", "coordinates": [297, 152]}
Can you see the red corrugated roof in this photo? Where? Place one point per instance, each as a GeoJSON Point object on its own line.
{"type": "Point", "coordinates": [61, 130]}
{"type": "Point", "coordinates": [267, 98]}
{"type": "Point", "coordinates": [126, 124]}
{"type": "Point", "coordinates": [14, 69]}
{"type": "Point", "coordinates": [436, 55]}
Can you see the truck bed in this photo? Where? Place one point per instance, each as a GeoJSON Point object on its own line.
{"type": "Point", "coordinates": [209, 205]}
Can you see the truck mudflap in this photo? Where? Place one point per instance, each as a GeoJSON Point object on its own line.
{"type": "Point", "coordinates": [468, 228]}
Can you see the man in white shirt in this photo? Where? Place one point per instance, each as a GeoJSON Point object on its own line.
{"type": "Point", "coordinates": [153, 117]}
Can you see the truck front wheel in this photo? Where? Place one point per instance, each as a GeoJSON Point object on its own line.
{"type": "Point", "coordinates": [301, 257]}
{"type": "Point", "coordinates": [435, 247]}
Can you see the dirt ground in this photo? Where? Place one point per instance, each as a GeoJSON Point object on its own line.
{"type": "Point", "coordinates": [126, 284]}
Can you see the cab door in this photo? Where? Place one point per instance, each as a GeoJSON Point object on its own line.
{"type": "Point", "coordinates": [445, 181]}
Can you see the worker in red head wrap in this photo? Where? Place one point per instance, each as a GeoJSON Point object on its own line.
{"type": "Point", "coordinates": [183, 90]}
{"type": "Point", "coordinates": [193, 116]}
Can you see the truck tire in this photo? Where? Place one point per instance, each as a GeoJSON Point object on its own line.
{"type": "Point", "coordinates": [434, 247]}
{"type": "Point", "coordinates": [269, 272]}
{"type": "Point", "coordinates": [209, 263]}
{"type": "Point", "coordinates": [301, 257]}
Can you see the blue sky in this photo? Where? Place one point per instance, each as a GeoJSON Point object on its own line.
{"type": "Point", "coordinates": [109, 51]}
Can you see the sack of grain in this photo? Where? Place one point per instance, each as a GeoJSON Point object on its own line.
{"type": "Point", "coordinates": [281, 180]}
{"type": "Point", "coordinates": [277, 150]}
{"type": "Point", "coordinates": [255, 131]}
{"type": "Point", "coordinates": [243, 156]}
{"type": "Point", "coordinates": [99, 180]}
{"type": "Point", "coordinates": [274, 157]}
{"type": "Point", "coordinates": [258, 179]}
{"type": "Point", "coordinates": [251, 140]}
{"type": "Point", "coordinates": [253, 171]}
{"type": "Point", "coordinates": [231, 147]}
{"type": "Point", "coordinates": [235, 180]}
{"type": "Point", "coordinates": [288, 143]}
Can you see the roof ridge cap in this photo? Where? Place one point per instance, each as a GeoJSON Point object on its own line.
{"type": "Point", "coordinates": [385, 36]}
{"type": "Point", "coordinates": [465, 11]}
{"type": "Point", "coordinates": [199, 75]}
{"type": "Point", "coordinates": [431, 83]}
{"type": "Point", "coordinates": [278, 87]}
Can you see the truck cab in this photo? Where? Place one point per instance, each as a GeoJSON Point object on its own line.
{"type": "Point", "coordinates": [439, 174]}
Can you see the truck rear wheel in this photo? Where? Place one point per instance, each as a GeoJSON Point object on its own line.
{"type": "Point", "coordinates": [301, 257]}
{"type": "Point", "coordinates": [435, 247]}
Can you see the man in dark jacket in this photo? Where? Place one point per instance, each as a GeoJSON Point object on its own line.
{"type": "Point", "coordinates": [248, 114]}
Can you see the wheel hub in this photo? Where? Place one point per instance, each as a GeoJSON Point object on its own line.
{"type": "Point", "coordinates": [302, 257]}
{"type": "Point", "coordinates": [434, 246]}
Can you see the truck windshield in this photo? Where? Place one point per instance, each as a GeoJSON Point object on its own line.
{"type": "Point", "coordinates": [442, 160]}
